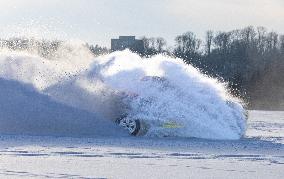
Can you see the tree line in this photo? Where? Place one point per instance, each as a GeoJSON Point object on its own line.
{"type": "Point", "coordinates": [250, 60]}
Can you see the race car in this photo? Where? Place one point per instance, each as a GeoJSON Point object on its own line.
{"type": "Point", "coordinates": [140, 126]}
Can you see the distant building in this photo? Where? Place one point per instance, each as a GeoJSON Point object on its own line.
{"type": "Point", "coordinates": [124, 42]}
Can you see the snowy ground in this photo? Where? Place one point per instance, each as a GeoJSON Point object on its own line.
{"type": "Point", "coordinates": [259, 155]}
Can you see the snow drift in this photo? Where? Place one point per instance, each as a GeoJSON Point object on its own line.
{"type": "Point", "coordinates": [24, 110]}
{"type": "Point", "coordinates": [75, 82]}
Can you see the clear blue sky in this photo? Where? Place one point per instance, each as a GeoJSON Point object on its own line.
{"type": "Point", "coordinates": [96, 21]}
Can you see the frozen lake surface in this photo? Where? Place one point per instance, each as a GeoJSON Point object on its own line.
{"type": "Point", "coordinates": [259, 155]}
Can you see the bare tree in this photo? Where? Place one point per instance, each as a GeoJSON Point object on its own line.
{"type": "Point", "coordinates": [282, 44]}
{"type": "Point", "coordinates": [209, 40]}
{"type": "Point", "coordinates": [272, 40]}
{"type": "Point", "coordinates": [187, 46]}
{"type": "Point", "coordinates": [222, 41]}
{"type": "Point", "coordinates": [261, 36]}
{"type": "Point", "coordinates": [248, 34]}
{"type": "Point", "coordinates": [160, 43]}
{"type": "Point", "coordinates": [153, 46]}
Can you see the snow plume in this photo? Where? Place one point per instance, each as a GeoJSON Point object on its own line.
{"type": "Point", "coordinates": [169, 91]}
{"type": "Point", "coordinates": [163, 90]}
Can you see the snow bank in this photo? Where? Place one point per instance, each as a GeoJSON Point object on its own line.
{"type": "Point", "coordinates": [79, 84]}
{"type": "Point", "coordinates": [23, 110]}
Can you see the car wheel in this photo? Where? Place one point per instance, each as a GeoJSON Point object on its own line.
{"type": "Point", "coordinates": [132, 125]}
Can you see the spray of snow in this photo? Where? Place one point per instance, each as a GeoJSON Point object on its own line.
{"type": "Point", "coordinates": [73, 78]}
{"type": "Point", "coordinates": [167, 90]}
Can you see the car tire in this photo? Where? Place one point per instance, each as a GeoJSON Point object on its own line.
{"type": "Point", "coordinates": [133, 126]}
